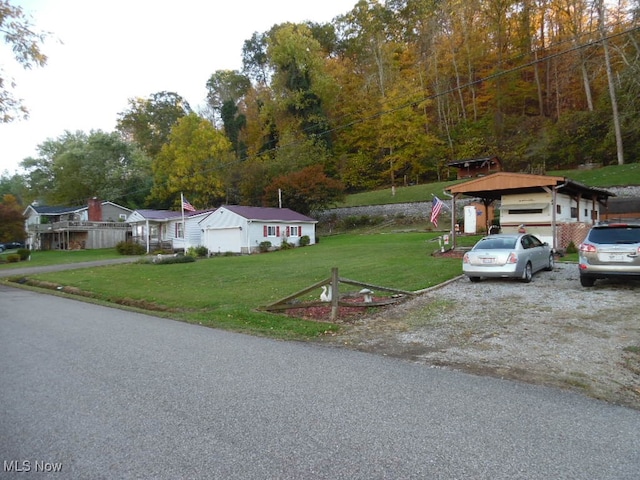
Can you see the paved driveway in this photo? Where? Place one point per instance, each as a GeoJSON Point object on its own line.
{"type": "Point", "coordinates": [107, 393]}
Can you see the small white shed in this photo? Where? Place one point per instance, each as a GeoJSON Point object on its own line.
{"type": "Point", "coordinates": [240, 229]}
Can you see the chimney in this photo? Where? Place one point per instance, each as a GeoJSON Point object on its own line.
{"type": "Point", "coordinates": [95, 210]}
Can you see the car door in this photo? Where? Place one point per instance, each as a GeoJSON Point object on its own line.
{"type": "Point", "coordinates": [538, 253]}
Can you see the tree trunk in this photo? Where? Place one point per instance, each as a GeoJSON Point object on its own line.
{"type": "Point", "coordinates": [610, 80]}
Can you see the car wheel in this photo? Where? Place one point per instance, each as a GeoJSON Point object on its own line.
{"type": "Point", "coordinates": [587, 281]}
{"type": "Point", "coordinates": [551, 263]}
{"type": "Point", "coordinates": [474, 279]}
{"type": "Point", "coordinates": [528, 273]}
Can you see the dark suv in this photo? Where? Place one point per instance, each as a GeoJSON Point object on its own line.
{"type": "Point", "coordinates": [610, 250]}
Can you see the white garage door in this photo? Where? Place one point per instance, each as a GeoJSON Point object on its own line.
{"type": "Point", "coordinates": [222, 240]}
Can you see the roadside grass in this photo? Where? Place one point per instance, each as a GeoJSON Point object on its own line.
{"type": "Point", "coordinates": [41, 258]}
{"type": "Point", "coordinates": [225, 292]}
{"type": "Point", "coordinates": [610, 176]}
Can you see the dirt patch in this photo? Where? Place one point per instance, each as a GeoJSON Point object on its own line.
{"type": "Point", "coordinates": [551, 331]}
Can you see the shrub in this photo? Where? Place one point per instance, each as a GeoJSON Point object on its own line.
{"type": "Point", "coordinates": [24, 253]}
{"type": "Point", "coordinates": [286, 245]}
{"type": "Point", "coordinates": [305, 240]}
{"type": "Point", "coordinates": [172, 259]}
{"type": "Point", "coordinates": [13, 258]}
{"type": "Point", "coordinates": [264, 246]}
{"type": "Point", "coordinates": [571, 248]}
{"type": "Point", "coordinates": [130, 248]}
{"type": "Point", "coordinates": [198, 251]}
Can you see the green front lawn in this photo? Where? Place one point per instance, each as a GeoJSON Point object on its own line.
{"type": "Point", "coordinates": [40, 258]}
{"type": "Point", "coordinates": [226, 291]}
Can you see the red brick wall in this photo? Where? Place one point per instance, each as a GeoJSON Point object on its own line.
{"type": "Point", "coordinates": [95, 210]}
{"type": "Point", "coordinates": [571, 232]}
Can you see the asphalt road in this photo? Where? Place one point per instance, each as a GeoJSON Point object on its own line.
{"type": "Point", "coordinates": [105, 393]}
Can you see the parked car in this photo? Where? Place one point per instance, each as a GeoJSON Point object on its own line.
{"type": "Point", "coordinates": [10, 246]}
{"type": "Point", "coordinates": [507, 255]}
{"type": "Point", "coordinates": [610, 250]}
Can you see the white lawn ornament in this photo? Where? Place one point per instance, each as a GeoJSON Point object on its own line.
{"type": "Point", "coordinates": [368, 298]}
{"type": "Point", "coordinates": [325, 296]}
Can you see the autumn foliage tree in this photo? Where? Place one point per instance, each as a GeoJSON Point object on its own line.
{"type": "Point", "coordinates": [306, 191]}
{"type": "Point", "coordinates": [11, 220]}
{"type": "Point", "coordinates": [193, 162]}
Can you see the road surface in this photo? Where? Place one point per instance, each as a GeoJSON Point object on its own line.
{"type": "Point", "coordinates": [93, 392]}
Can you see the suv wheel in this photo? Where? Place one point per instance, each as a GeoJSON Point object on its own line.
{"type": "Point", "coordinates": [587, 281]}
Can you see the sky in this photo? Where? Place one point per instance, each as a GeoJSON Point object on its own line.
{"type": "Point", "coordinates": [103, 52]}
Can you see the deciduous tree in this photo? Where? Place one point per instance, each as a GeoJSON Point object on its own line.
{"type": "Point", "coordinates": [193, 162]}
{"type": "Point", "coordinates": [11, 220]}
{"type": "Point", "coordinates": [306, 191]}
{"type": "Point", "coordinates": [18, 33]}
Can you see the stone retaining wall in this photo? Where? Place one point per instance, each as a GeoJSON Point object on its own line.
{"type": "Point", "coordinates": [422, 210]}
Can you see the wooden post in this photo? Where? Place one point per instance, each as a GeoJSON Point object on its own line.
{"type": "Point", "coordinates": [335, 293]}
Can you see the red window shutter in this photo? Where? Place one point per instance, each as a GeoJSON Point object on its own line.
{"type": "Point", "coordinates": [264, 230]}
{"type": "Point", "coordinates": [299, 230]}
{"type": "Point", "coordinates": [278, 231]}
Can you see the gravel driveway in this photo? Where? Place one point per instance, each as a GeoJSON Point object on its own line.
{"type": "Point", "coordinates": [551, 331]}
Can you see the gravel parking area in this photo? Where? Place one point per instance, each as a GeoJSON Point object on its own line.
{"type": "Point", "coordinates": [551, 331]}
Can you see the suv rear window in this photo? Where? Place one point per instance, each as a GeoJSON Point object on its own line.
{"type": "Point", "coordinates": [621, 234]}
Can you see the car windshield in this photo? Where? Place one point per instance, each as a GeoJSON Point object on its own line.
{"type": "Point", "coordinates": [622, 234]}
{"type": "Point", "coordinates": [496, 243]}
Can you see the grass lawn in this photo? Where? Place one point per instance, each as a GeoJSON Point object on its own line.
{"type": "Point", "coordinates": [40, 258]}
{"type": "Point", "coordinates": [225, 292]}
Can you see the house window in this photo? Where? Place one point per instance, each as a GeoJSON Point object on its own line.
{"type": "Point", "coordinates": [293, 231]}
{"type": "Point", "coordinates": [525, 211]}
{"type": "Point", "coordinates": [179, 230]}
{"type": "Point", "coordinates": [586, 212]}
{"type": "Point", "coordinates": [574, 212]}
{"type": "Point", "coordinates": [272, 230]}
{"type": "Point", "coordinates": [123, 216]}
{"type": "Point", "coordinates": [558, 209]}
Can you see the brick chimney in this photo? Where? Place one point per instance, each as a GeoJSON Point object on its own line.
{"type": "Point", "coordinates": [95, 210]}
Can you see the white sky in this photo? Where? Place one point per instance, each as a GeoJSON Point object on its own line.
{"type": "Point", "coordinates": [101, 53]}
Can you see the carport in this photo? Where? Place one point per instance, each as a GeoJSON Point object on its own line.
{"type": "Point", "coordinates": [494, 187]}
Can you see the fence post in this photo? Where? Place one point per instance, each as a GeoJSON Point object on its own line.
{"type": "Point", "coordinates": [335, 293]}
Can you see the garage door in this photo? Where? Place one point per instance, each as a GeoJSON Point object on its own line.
{"type": "Point", "coordinates": [222, 240]}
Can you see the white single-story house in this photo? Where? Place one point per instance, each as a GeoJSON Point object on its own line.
{"type": "Point", "coordinates": [240, 229]}
{"type": "Point", "coordinates": [163, 229]}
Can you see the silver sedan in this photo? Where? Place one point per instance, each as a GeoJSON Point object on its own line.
{"type": "Point", "coordinates": [510, 256]}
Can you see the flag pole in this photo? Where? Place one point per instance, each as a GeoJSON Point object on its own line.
{"type": "Point", "coordinates": [184, 229]}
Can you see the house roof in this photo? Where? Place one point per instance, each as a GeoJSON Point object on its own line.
{"type": "Point", "coordinates": [55, 210]}
{"type": "Point", "coordinates": [268, 214]}
{"type": "Point", "coordinates": [61, 210]}
{"type": "Point", "coordinates": [496, 185]}
{"type": "Point", "coordinates": [166, 215]}
{"type": "Point", "coordinates": [473, 161]}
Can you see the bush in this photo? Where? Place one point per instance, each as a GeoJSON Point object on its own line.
{"type": "Point", "coordinates": [286, 245]}
{"type": "Point", "coordinates": [198, 251]}
{"type": "Point", "coordinates": [24, 253]}
{"type": "Point", "coordinates": [13, 258]}
{"type": "Point", "coordinates": [571, 248]}
{"type": "Point", "coordinates": [264, 246]}
{"type": "Point", "coordinates": [173, 259]}
{"type": "Point", "coordinates": [130, 248]}
{"type": "Point", "coordinates": [305, 240]}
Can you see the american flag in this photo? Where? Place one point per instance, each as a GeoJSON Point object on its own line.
{"type": "Point", "coordinates": [187, 206]}
{"type": "Point", "coordinates": [435, 210]}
